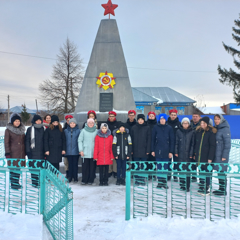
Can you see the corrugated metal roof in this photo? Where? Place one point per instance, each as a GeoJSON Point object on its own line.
{"type": "Point", "coordinates": [139, 96]}
{"type": "Point", "coordinates": [166, 94]}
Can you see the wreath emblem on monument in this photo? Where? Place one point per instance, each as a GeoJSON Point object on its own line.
{"type": "Point", "coordinates": [105, 80]}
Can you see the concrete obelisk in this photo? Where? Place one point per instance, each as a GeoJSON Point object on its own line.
{"type": "Point", "coordinates": [106, 85]}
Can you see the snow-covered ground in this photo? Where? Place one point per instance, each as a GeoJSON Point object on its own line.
{"type": "Point", "coordinates": [20, 226]}
{"type": "Point", "coordinates": [99, 214]}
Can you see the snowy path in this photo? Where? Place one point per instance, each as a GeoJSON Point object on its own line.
{"type": "Point", "coordinates": [99, 214]}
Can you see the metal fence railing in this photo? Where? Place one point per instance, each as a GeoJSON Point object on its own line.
{"type": "Point", "coordinates": [171, 198]}
{"type": "Point", "coordinates": [36, 187]}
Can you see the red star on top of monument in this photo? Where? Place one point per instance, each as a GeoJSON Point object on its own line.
{"type": "Point", "coordinates": [109, 8]}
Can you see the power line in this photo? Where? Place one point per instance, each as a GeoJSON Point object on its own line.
{"type": "Point", "coordinates": [25, 55]}
{"type": "Point", "coordinates": [152, 69]}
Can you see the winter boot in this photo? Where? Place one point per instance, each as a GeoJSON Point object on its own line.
{"type": "Point", "coordinates": [118, 181]}
{"type": "Point", "coordinates": [114, 174]}
{"type": "Point", "coordinates": [123, 181]}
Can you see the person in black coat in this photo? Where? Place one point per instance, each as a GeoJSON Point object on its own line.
{"type": "Point", "coordinates": [141, 141]}
{"type": "Point", "coordinates": [66, 124]}
{"type": "Point", "coordinates": [174, 122]}
{"type": "Point", "coordinates": [162, 146]}
{"type": "Point", "coordinates": [122, 150]}
{"type": "Point", "coordinates": [204, 151]}
{"type": "Point", "coordinates": [223, 147]}
{"type": "Point", "coordinates": [34, 144]}
{"type": "Point", "coordinates": [184, 150]}
{"type": "Point", "coordinates": [131, 121]}
{"type": "Point", "coordinates": [54, 142]}
{"type": "Point", "coordinates": [151, 122]}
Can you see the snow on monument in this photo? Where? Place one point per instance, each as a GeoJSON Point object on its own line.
{"type": "Point", "coordinates": [106, 85]}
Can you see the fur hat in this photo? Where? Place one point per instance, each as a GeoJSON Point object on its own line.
{"type": "Point", "coordinates": [163, 115]}
{"type": "Point", "coordinates": [54, 118]}
{"type": "Point", "coordinates": [35, 118]}
{"type": "Point", "coordinates": [15, 117]}
{"type": "Point", "coordinates": [142, 116]}
{"type": "Point", "coordinates": [72, 120]}
{"type": "Point", "coordinates": [185, 120]}
{"type": "Point", "coordinates": [103, 125]}
{"type": "Point", "coordinates": [205, 119]}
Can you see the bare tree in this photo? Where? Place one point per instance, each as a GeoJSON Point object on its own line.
{"type": "Point", "coordinates": [60, 93]}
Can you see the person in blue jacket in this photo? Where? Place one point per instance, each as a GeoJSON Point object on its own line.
{"type": "Point", "coordinates": [162, 146]}
{"type": "Point", "coordinates": [223, 146]}
{"type": "Point", "coordinates": [72, 153]}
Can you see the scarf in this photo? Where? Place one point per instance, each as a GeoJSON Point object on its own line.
{"type": "Point", "coordinates": [33, 134]}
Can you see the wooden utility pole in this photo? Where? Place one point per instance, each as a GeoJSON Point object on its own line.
{"type": "Point", "coordinates": [36, 107]}
{"type": "Point", "coordinates": [8, 108]}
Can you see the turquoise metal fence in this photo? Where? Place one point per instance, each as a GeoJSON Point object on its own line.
{"type": "Point", "coordinates": [171, 198]}
{"type": "Point", "coordinates": [36, 187]}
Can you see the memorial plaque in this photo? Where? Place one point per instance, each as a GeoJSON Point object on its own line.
{"type": "Point", "coordinates": [106, 102]}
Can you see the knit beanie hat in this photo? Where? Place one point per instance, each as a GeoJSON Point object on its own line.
{"type": "Point", "coordinates": [163, 115]}
{"type": "Point", "coordinates": [185, 120]}
{"type": "Point", "coordinates": [90, 120]}
{"type": "Point", "coordinates": [73, 120]}
{"type": "Point", "coordinates": [35, 118]}
{"type": "Point", "coordinates": [205, 119]}
{"type": "Point", "coordinates": [121, 124]}
{"type": "Point", "coordinates": [15, 117]}
{"type": "Point", "coordinates": [103, 125]}
{"type": "Point", "coordinates": [142, 116]}
{"type": "Point", "coordinates": [54, 118]}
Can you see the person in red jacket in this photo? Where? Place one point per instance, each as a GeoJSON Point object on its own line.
{"type": "Point", "coordinates": [103, 152]}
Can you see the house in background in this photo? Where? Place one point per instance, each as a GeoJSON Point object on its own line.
{"type": "Point", "coordinates": [161, 100]}
{"type": "Point", "coordinates": [211, 110]}
{"type": "Point", "coordinates": [231, 109]}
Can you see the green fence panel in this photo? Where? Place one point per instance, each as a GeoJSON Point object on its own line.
{"type": "Point", "coordinates": [221, 201]}
{"type": "Point", "coordinates": [36, 187]}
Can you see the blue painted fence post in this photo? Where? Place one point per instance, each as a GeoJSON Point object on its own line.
{"type": "Point", "coordinates": [128, 195]}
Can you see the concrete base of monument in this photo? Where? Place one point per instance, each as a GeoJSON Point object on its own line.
{"type": "Point", "coordinates": [81, 117]}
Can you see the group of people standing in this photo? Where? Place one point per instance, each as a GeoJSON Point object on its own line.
{"type": "Point", "coordinates": [110, 144]}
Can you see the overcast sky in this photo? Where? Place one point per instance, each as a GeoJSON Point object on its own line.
{"type": "Point", "coordinates": [184, 37]}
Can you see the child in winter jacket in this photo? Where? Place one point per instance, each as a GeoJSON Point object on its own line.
{"type": "Point", "coordinates": [122, 149]}
{"type": "Point", "coordinates": [162, 147]}
{"type": "Point", "coordinates": [204, 152]}
{"type": "Point", "coordinates": [184, 150]}
{"type": "Point", "coordinates": [72, 132]}
{"type": "Point", "coordinates": [103, 152]}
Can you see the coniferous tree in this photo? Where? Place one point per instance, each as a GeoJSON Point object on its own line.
{"type": "Point", "coordinates": [24, 114]}
{"type": "Point", "coordinates": [230, 77]}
